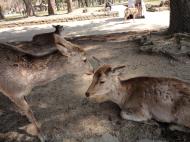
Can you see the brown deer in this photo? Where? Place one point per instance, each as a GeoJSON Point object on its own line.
{"type": "Point", "coordinates": [42, 44]}
{"type": "Point", "coordinates": [130, 11]}
{"type": "Point", "coordinates": [20, 72]}
{"type": "Point", "coordinates": [45, 38]}
{"type": "Point", "coordinates": [45, 43]}
{"type": "Point", "coordinates": [143, 98]}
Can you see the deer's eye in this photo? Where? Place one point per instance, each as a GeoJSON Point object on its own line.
{"type": "Point", "coordinates": [102, 81]}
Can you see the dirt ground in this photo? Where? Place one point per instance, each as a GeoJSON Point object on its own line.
{"type": "Point", "coordinates": [66, 115]}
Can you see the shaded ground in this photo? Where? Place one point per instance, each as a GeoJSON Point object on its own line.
{"type": "Point", "coordinates": [65, 115]}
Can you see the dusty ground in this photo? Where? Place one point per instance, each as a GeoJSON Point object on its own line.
{"type": "Point", "coordinates": [65, 115]}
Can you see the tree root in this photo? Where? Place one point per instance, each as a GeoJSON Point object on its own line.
{"type": "Point", "coordinates": [154, 50]}
{"type": "Point", "coordinates": [174, 48]}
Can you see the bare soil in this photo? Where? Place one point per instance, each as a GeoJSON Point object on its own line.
{"type": "Point", "coordinates": [66, 115]}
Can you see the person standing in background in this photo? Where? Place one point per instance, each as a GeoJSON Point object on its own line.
{"type": "Point", "coordinates": [140, 5]}
{"type": "Point", "coordinates": [143, 9]}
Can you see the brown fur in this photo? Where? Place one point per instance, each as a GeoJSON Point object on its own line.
{"type": "Point", "coordinates": [131, 11]}
{"type": "Point", "coordinates": [143, 98]}
{"type": "Point", "coordinates": [46, 38]}
{"type": "Point", "coordinates": [20, 72]}
{"type": "Point", "coordinates": [103, 69]}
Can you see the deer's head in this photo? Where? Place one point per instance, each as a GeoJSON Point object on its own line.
{"type": "Point", "coordinates": [58, 29]}
{"type": "Point", "coordinates": [104, 84]}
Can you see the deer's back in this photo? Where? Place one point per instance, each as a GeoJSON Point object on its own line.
{"type": "Point", "coordinates": [19, 71]}
{"type": "Point", "coordinates": [132, 11]}
{"type": "Point", "coordinates": [163, 97]}
{"type": "Point", "coordinates": [12, 79]}
{"type": "Point", "coordinates": [44, 38]}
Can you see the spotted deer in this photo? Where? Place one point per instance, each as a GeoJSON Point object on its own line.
{"type": "Point", "coordinates": [130, 11]}
{"type": "Point", "coordinates": [20, 72]}
{"type": "Point", "coordinates": [143, 98]}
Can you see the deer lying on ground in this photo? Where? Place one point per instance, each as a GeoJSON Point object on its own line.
{"type": "Point", "coordinates": [20, 72]}
{"type": "Point", "coordinates": [143, 98]}
{"type": "Point", "coordinates": [130, 11]}
{"type": "Point", "coordinates": [45, 38]}
{"type": "Point", "coordinates": [43, 44]}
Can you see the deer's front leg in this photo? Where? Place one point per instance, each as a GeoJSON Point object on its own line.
{"type": "Point", "coordinates": [175, 127]}
{"type": "Point", "coordinates": [135, 114]}
{"type": "Point", "coordinates": [25, 108]}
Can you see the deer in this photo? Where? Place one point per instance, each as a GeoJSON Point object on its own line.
{"type": "Point", "coordinates": [20, 72]}
{"type": "Point", "coordinates": [46, 38]}
{"type": "Point", "coordinates": [130, 11]}
{"type": "Point", "coordinates": [143, 98]}
{"type": "Point", "coordinates": [44, 43]}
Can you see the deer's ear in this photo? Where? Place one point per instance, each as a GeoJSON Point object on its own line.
{"type": "Point", "coordinates": [94, 63]}
{"type": "Point", "coordinates": [117, 70]}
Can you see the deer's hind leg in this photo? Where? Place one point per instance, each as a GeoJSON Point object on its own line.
{"type": "Point", "coordinates": [25, 108]}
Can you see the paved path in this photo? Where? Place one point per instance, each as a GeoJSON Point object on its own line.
{"type": "Point", "coordinates": [154, 20]}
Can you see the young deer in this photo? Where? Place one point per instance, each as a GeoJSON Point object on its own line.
{"type": "Point", "coordinates": [143, 98]}
{"type": "Point", "coordinates": [20, 72]}
{"type": "Point", "coordinates": [46, 38]}
{"type": "Point", "coordinates": [130, 11]}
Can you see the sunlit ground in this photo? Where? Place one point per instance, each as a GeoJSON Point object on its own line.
{"type": "Point", "coordinates": [153, 21]}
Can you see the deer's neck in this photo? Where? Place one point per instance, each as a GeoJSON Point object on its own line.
{"type": "Point", "coordinates": [57, 32]}
{"type": "Point", "coordinates": [118, 94]}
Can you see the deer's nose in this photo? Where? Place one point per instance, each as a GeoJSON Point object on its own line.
{"type": "Point", "coordinates": [87, 94]}
{"type": "Point", "coordinates": [84, 59]}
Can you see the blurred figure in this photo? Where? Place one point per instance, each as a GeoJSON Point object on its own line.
{"type": "Point", "coordinates": [140, 5]}
{"type": "Point", "coordinates": [108, 5]}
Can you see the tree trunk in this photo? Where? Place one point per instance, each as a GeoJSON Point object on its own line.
{"type": "Point", "coordinates": [29, 8]}
{"type": "Point", "coordinates": [179, 16]}
{"type": "Point", "coordinates": [57, 5]}
{"type": "Point", "coordinates": [92, 2]}
{"type": "Point", "coordinates": [69, 6]}
{"type": "Point", "coordinates": [79, 3]}
{"type": "Point", "coordinates": [87, 3]}
{"type": "Point", "coordinates": [51, 7]}
{"type": "Point", "coordinates": [1, 13]}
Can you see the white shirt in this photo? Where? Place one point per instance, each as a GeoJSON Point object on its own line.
{"type": "Point", "coordinates": [131, 3]}
{"type": "Point", "coordinates": [143, 8]}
